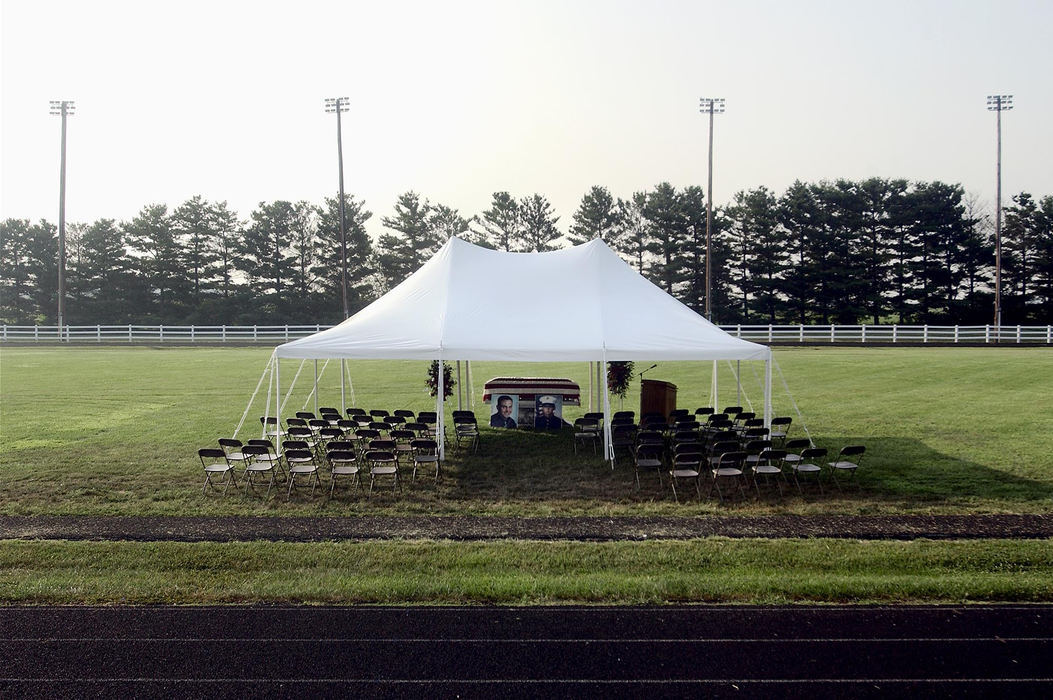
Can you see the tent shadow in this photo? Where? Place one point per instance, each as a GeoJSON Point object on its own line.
{"type": "Point", "coordinates": [513, 466]}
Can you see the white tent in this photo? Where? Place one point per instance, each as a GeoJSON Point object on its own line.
{"type": "Point", "coordinates": [589, 305]}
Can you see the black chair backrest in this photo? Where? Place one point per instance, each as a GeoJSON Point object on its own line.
{"type": "Point", "coordinates": [299, 455]}
{"type": "Point", "coordinates": [424, 445]}
{"type": "Point", "coordinates": [404, 412]}
{"type": "Point", "coordinates": [380, 456]}
{"type": "Point", "coordinates": [295, 445]}
{"type": "Point", "coordinates": [347, 424]}
{"type": "Point", "coordinates": [356, 412]}
{"type": "Point", "coordinates": [334, 445]}
{"type": "Point", "coordinates": [427, 416]}
{"type": "Point", "coordinates": [732, 410]}
{"type": "Point", "coordinates": [595, 415]}
{"type": "Point", "coordinates": [756, 446]}
{"type": "Point", "coordinates": [340, 455]}
{"type": "Point", "coordinates": [382, 444]}
{"type": "Point", "coordinates": [797, 444]}
{"type": "Point", "coordinates": [649, 451]}
{"type": "Point", "coordinates": [258, 442]}
{"type": "Point", "coordinates": [781, 420]}
{"type": "Point", "coordinates": [852, 450]}
{"type": "Point", "coordinates": [256, 450]}
{"type": "Point", "coordinates": [813, 453]}
{"type": "Point", "coordinates": [331, 433]}
{"type": "Point", "coordinates": [323, 410]}
{"type": "Point", "coordinates": [211, 453]}
{"type": "Point", "coordinates": [624, 414]}
{"type": "Point", "coordinates": [380, 425]}
{"type": "Point", "coordinates": [704, 411]}
{"type": "Point", "coordinates": [732, 458]}
{"type": "Point", "coordinates": [716, 416]}
{"type": "Point", "coordinates": [379, 413]}
{"type": "Point", "coordinates": [306, 415]}
{"type": "Point", "coordinates": [771, 455]}
{"type": "Point", "coordinates": [367, 433]}
{"type": "Point", "coordinates": [688, 447]}
{"type": "Point", "coordinates": [318, 423]}
{"type": "Point", "coordinates": [678, 413]}
{"type": "Point", "coordinates": [300, 431]}
{"type": "Point", "coordinates": [230, 442]}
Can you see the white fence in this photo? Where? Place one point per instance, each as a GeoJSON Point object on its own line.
{"type": "Point", "coordinates": [782, 335]}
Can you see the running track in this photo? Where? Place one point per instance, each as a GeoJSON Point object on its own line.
{"type": "Point", "coordinates": [477, 652]}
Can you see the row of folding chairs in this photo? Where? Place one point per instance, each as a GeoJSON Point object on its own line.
{"type": "Point", "coordinates": [729, 467]}
{"type": "Point", "coordinates": [380, 457]}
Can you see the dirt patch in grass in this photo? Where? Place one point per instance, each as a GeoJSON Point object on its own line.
{"type": "Point", "coordinates": [468, 528]}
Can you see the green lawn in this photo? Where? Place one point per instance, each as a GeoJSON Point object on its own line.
{"type": "Point", "coordinates": [527, 573]}
{"type": "Point", "coordinates": [114, 431]}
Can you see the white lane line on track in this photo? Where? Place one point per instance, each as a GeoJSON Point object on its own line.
{"type": "Point", "coordinates": [526, 640]}
{"type": "Point", "coordinates": [534, 681]}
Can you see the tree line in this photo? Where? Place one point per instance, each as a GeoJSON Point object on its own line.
{"type": "Point", "coordinates": [846, 252]}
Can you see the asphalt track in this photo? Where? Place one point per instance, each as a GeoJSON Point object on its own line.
{"type": "Point", "coordinates": [477, 652]}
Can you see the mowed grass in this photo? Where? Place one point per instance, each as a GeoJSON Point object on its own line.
{"type": "Point", "coordinates": [527, 573]}
{"type": "Point", "coordinates": [114, 430]}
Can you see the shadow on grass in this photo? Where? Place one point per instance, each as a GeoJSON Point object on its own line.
{"type": "Point", "coordinates": [540, 467]}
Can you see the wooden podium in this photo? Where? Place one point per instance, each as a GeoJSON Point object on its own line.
{"type": "Point", "coordinates": [657, 397]}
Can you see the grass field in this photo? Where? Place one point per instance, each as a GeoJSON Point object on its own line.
{"type": "Point", "coordinates": [527, 573]}
{"type": "Point", "coordinates": [104, 430]}
{"type": "Point", "coordinates": [114, 431]}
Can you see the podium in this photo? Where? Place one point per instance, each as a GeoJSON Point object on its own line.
{"type": "Point", "coordinates": [657, 396]}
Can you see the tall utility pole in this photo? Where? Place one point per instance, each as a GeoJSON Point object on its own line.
{"type": "Point", "coordinates": [711, 106]}
{"type": "Point", "coordinates": [63, 108]}
{"type": "Point", "coordinates": [999, 104]}
{"type": "Point", "coordinates": [339, 105]}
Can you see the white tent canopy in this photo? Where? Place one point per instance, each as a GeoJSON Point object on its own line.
{"type": "Point", "coordinates": [589, 306]}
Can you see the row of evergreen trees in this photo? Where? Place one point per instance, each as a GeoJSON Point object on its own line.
{"type": "Point", "coordinates": [842, 252]}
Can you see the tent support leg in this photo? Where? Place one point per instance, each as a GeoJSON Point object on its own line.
{"type": "Point", "coordinates": [277, 409]}
{"type": "Point", "coordinates": [608, 444]}
{"type": "Point", "coordinates": [713, 393]}
{"type": "Point", "coordinates": [460, 386]}
{"type": "Point", "coordinates": [343, 402]}
{"type": "Point", "coordinates": [601, 390]}
{"type": "Point", "coordinates": [767, 389]}
{"type": "Point", "coordinates": [316, 387]}
{"type": "Point", "coordinates": [440, 427]}
{"type": "Point", "coordinates": [591, 409]}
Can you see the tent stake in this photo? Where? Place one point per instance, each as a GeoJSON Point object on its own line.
{"type": "Point", "coordinates": [460, 386]}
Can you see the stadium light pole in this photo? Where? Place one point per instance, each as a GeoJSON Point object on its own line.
{"type": "Point", "coordinates": [998, 104]}
{"type": "Point", "coordinates": [338, 105]}
{"type": "Point", "coordinates": [63, 108]}
{"type": "Point", "coordinates": [711, 106]}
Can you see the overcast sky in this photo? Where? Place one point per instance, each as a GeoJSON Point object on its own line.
{"type": "Point", "coordinates": [457, 99]}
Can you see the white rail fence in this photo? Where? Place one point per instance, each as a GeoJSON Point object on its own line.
{"type": "Point", "coordinates": [783, 335]}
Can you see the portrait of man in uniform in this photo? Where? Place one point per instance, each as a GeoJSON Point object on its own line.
{"type": "Point", "coordinates": [548, 415]}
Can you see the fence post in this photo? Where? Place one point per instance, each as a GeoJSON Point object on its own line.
{"type": "Point", "coordinates": [1049, 335]}
{"type": "Point", "coordinates": [161, 333]}
{"type": "Point", "coordinates": [223, 333]}
{"type": "Point", "coordinates": [36, 332]}
{"type": "Point", "coordinates": [286, 332]}
{"type": "Point", "coordinates": [254, 334]}
{"type": "Point", "coordinates": [192, 333]}
{"type": "Point", "coordinates": [129, 332]}
{"type": "Point", "coordinates": [98, 333]}
{"type": "Point", "coordinates": [833, 329]}
{"type": "Point", "coordinates": [956, 332]}
{"type": "Point", "coordinates": [1018, 335]}
{"type": "Point", "coordinates": [925, 333]}
{"type": "Point", "coordinates": [770, 339]}
{"type": "Point", "coordinates": [802, 332]}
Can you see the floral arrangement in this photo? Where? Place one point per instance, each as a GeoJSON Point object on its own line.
{"type": "Point", "coordinates": [619, 374]}
{"type": "Point", "coordinates": [448, 381]}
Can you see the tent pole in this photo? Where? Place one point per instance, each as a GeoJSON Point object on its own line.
{"type": "Point", "coordinates": [440, 428]}
{"type": "Point", "coordinates": [460, 386]}
{"type": "Point", "coordinates": [316, 387]}
{"type": "Point", "coordinates": [713, 393]}
{"type": "Point", "coordinates": [277, 409]}
{"type": "Point", "coordinates": [767, 389]}
{"type": "Point", "coordinates": [600, 390]}
{"type": "Point", "coordinates": [471, 388]}
{"type": "Point", "coordinates": [738, 382]}
{"type": "Point", "coordinates": [591, 409]}
{"type": "Point", "coordinates": [608, 444]}
{"type": "Point", "coordinates": [267, 403]}
{"type": "Point", "coordinates": [343, 404]}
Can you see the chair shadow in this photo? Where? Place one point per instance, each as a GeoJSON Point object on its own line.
{"type": "Point", "coordinates": [542, 467]}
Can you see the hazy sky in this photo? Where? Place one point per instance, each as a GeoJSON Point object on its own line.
{"type": "Point", "coordinates": [456, 100]}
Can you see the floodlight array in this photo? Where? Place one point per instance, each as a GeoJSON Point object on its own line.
{"type": "Point", "coordinates": [999, 103]}
{"type": "Point", "coordinates": [59, 107]}
{"type": "Point", "coordinates": [335, 104]}
{"type": "Point", "coordinates": [709, 105]}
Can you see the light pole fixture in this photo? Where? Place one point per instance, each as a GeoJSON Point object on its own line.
{"type": "Point", "coordinates": [62, 108]}
{"type": "Point", "coordinates": [338, 105]}
{"type": "Point", "coordinates": [710, 106]}
{"type": "Point", "coordinates": [999, 104]}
